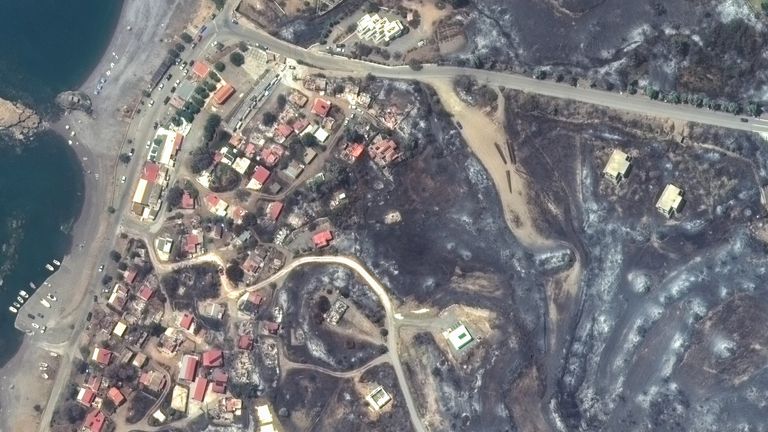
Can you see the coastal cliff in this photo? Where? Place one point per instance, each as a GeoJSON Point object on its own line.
{"type": "Point", "coordinates": [18, 120]}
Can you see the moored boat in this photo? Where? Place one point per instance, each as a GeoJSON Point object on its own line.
{"type": "Point", "coordinates": [12, 309]}
{"type": "Point", "coordinates": [49, 267]}
{"type": "Point", "coordinates": [20, 300]}
{"type": "Point", "coordinates": [57, 262]}
{"type": "Point", "coordinates": [16, 305]}
{"type": "Point", "coordinates": [31, 285]}
{"type": "Point", "coordinates": [23, 294]}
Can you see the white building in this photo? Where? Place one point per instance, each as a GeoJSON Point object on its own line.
{"type": "Point", "coordinates": [459, 336]}
{"type": "Point", "coordinates": [377, 29]}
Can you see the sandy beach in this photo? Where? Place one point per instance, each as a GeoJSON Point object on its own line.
{"type": "Point", "coordinates": [97, 141]}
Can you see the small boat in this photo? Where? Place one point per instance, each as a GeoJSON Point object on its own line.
{"type": "Point", "coordinates": [23, 294]}
{"type": "Point", "coordinates": [49, 267]}
{"type": "Point", "coordinates": [31, 285]}
{"type": "Point", "coordinates": [57, 262]}
{"type": "Point", "coordinates": [12, 309]}
{"type": "Point", "coordinates": [20, 300]}
{"type": "Point", "coordinates": [16, 305]}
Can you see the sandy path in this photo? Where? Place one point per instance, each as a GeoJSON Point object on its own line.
{"type": "Point", "coordinates": [481, 133]}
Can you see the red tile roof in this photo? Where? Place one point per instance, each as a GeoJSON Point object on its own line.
{"type": "Point", "coordinates": [130, 274]}
{"type": "Point", "coordinates": [274, 210]}
{"type": "Point", "coordinates": [94, 421]}
{"type": "Point", "coordinates": [255, 298]}
{"type": "Point", "coordinates": [212, 200]}
{"type": "Point", "coordinates": [261, 174]}
{"type": "Point", "coordinates": [272, 327]}
{"type": "Point", "coordinates": [188, 368]}
{"type": "Point", "coordinates": [94, 383]}
{"type": "Point", "coordinates": [101, 356]}
{"type": "Point", "coordinates": [177, 140]}
{"type": "Point", "coordinates": [187, 202]}
{"type": "Point", "coordinates": [238, 213]}
{"type": "Point", "coordinates": [198, 389]}
{"type": "Point", "coordinates": [192, 241]}
{"type": "Point", "coordinates": [284, 130]}
{"type": "Point", "coordinates": [219, 376]}
{"type": "Point", "coordinates": [86, 396]}
{"type": "Point", "coordinates": [219, 388]}
{"type": "Point", "coordinates": [321, 107]}
{"type": "Point", "coordinates": [269, 157]}
{"type": "Point", "coordinates": [322, 239]}
{"type": "Point", "coordinates": [300, 125]}
{"type": "Point", "coordinates": [146, 291]}
{"type": "Point", "coordinates": [250, 149]}
{"type": "Point", "coordinates": [356, 150]}
{"type": "Point", "coordinates": [116, 396]}
{"type": "Point", "coordinates": [245, 342]}
{"type": "Point", "coordinates": [223, 94]}
{"type": "Point", "coordinates": [200, 69]}
{"type": "Point", "coordinates": [186, 321]}
{"type": "Point", "coordinates": [213, 358]}
{"type": "Point", "coordinates": [151, 171]}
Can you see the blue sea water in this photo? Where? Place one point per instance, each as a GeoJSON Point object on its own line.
{"type": "Point", "coordinates": [48, 46]}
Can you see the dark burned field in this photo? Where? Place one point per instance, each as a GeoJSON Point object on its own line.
{"type": "Point", "coordinates": [708, 47]}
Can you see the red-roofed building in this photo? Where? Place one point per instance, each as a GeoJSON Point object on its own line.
{"type": "Point", "coordinates": [250, 150]}
{"type": "Point", "coordinates": [223, 94]}
{"type": "Point", "coordinates": [186, 321]}
{"type": "Point", "coordinates": [150, 172]}
{"type": "Point", "coordinates": [274, 209]}
{"type": "Point", "coordinates": [245, 342]}
{"type": "Point", "coordinates": [322, 239]}
{"type": "Point", "coordinates": [269, 157]}
{"type": "Point", "coordinates": [101, 356]}
{"type": "Point", "coordinates": [261, 175]}
{"type": "Point", "coordinates": [219, 380]}
{"type": "Point", "coordinates": [238, 213]}
{"type": "Point", "coordinates": [191, 243]}
{"type": "Point", "coordinates": [212, 200]}
{"type": "Point", "coordinates": [116, 396]}
{"type": "Point", "coordinates": [355, 151]}
{"type": "Point", "coordinates": [86, 396]}
{"type": "Point", "coordinates": [199, 388]}
{"type": "Point", "coordinates": [94, 421]}
{"type": "Point", "coordinates": [213, 358]}
{"type": "Point", "coordinates": [146, 292]}
{"type": "Point", "coordinates": [283, 130]}
{"type": "Point", "coordinates": [177, 141]}
{"type": "Point", "coordinates": [187, 202]}
{"type": "Point", "coordinates": [271, 327]}
{"type": "Point", "coordinates": [384, 152]}
{"type": "Point", "coordinates": [200, 69]}
{"type": "Point", "coordinates": [94, 383]}
{"type": "Point", "coordinates": [130, 274]}
{"type": "Point", "coordinates": [255, 298]}
{"type": "Point", "coordinates": [188, 368]}
{"type": "Point", "coordinates": [321, 107]}
{"type": "Point", "coordinates": [299, 125]}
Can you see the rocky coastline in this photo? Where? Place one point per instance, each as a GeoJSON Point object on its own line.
{"type": "Point", "coordinates": [19, 121]}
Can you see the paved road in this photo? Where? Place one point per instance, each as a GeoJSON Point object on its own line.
{"type": "Point", "coordinates": [432, 73]}
{"type": "Point", "coordinates": [381, 292]}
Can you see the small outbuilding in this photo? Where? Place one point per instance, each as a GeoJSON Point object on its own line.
{"type": "Point", "coordinates": [378, 398]}
{"type": "Point", "coordinates": [671, 201]}
{"type": "Point", "coordinates": [459, 336]}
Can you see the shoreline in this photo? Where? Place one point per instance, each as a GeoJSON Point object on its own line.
{"type": "Point", "coordinates": [96, 145]}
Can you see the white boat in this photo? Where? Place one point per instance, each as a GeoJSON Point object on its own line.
{"type": "Point", "coordinates": [49, 267]}
{"type": "Point", "coordinates": [23, 294]}
{"type": "Point", "coordinates": [31, 285]}
{"type": "Point", "coordinates": [57, 262]}
{"type": "Point", "coordinates": [12, 309]}
{"type": "Point", "coordinates": [16, 305]}
{"type": "Point", "coordinates": [20, 300]}
{"type": "Point", "coordinates": [45, 303]}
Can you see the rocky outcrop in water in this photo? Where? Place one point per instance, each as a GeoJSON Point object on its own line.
{"type": "Point", "coordinates": [18, 120]}
{"type": "Point", "coordinates": [74, 100]}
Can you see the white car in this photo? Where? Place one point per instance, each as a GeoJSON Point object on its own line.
{"type": "Point", "coordinates": [149, 143]}
{"type": "Point", "coordinates": [51, 297]}
{"type": "Point", "coordinates": [42, 329]}
{"type": "Point", "coordinates": [177, 82]}
{"type": "Point", "coordinates": [35, 325]}
{"type": "Point", "coordinates": [161, 86]}
{"type": "Point", "coordinates": [151, 102]}
{"type": "Point", "coordinates": [101, 268]}
{"type": "Point", "coordinates": [122, 179]}
{"type": "Point", "coordinates": [45, 303]}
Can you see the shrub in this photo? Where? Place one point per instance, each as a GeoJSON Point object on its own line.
{"type": "Point", "coordinates": [237, 58]}
{"type": "Point", "coordinates": [219, 66]}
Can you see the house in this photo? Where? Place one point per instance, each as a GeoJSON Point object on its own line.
{"type": "Point", "coordinates": [378, 398]}
{"type": "Point", "coordinates": [201, 69]}
{"type": "Point", "coordinates": [101, 356]}
{"type": "Point", "coordinates": [252, 264]}
{"type": "Point", "coordinates": [139, 360]}
{"type": "Point", "coordinates": [354, 152]}
{"type": "Point", "coordinates": [86, 396]}
{"type": "Point", "coordinates": [274, 209]}
{"type": "Point", "coordinates": [270, 156]}
{"type": "Point", "coordinates": [213, 358]}
{"type": "Point", "coordinates": [198, 389]}
{"type": "Point", "coordinates": [618, 166]}
{"type": "Point", "coordinates": [384, 152]}
{"type": "Point", "coordinates": [229, 404]}
{"type": "Point", "coordinates": [259, 178]}
{"type": "Point", "coordinates": [308, 156]}
{"type": "Point", "coordinates": [192, 243]}
{"type": "Point", "coordinates": [298, 99]}
{"type": "Point", "coordinates": [322, 239]}
{"type": "Point", "coordinates": [187, 202]}
{"type": "Point", "coordinates": [188, 368]}
{"type": "Point", "coordinates": [223, 93]}
{"type": "Point", "coordinates": [671, 201]}
{"type": "Point", "coordinates": [378, 29]}
{"type": "Point", "coordinates": [120, 329]}
{"type": "Point", "coordinates": [179, 398]}
{"type": "Point", "coordinates": [299, 125]}
{"type": "Point", "coordinates": [130, 274]}
{"type": "Point", "coordinates": [94, 383]}
{"type": "Point", "coordinates": [150, 172]}
{"type": "Point", "coordinates": [238, 214]}
{"type": "Point", "coordinates": [152, 380]}
{"type": "Point", "coordinates": [321, 107]}
{"type": "Point", "coordinates": [264, 414]}
{"type": "Point", "coordinates": [145, 292]}
{"type": "Point", "coordinates": [283, 131]}
{"type": "Point", "coordinates": [321, 135]}
{"type": "Point", "coordinates": [294, 169]}
{"type": "Point", "coordinates": [187, 322]}
{"type": "Point", "coordinates": [458, 337]}
{"type": "Point", "coordinates": [94, 421]}
{"type": "Point", "coordinates": [216, 205]}
{"type": "Point", "coordinates": [219, 380]}
{"type": "Point", "coordinates": [213, 310]}
{"type": "Point", "coordinates": [115, 396]}
{"type": "Point", "coordinates": [245, 342]}
{"type": "Point", "coordinates": [241, 165]}
{"type": "Point", "coordinates": [271, 327]}
{"type": "Point", "coordinates": [118, 298]}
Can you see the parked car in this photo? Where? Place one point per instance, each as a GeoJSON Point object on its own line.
{"type": "Point", "coordinates": [51, 297]}
{"type": "Point", "coordinates": [101, 268]}
{"type": "Point", "coordinates": [122, 179]}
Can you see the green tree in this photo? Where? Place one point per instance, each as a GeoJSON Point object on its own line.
{"type": "Point", "coordinates": [764, 7]}
{"type": "Point", "coordinates": [124, 158]}
{"type": "Point", "coordinates": [237, 58]}
{"type": "Point", "coordinates": [268, 119]}
{"type": "Point", "coordinates": [115, 255]}
{"type": "Point", "coordinates": [173, 197]}
{"type": "Point", "coordinates": [179, 47]}
{"type": "Point", "coordinates": [173, 53]}
{"type": "Point", "coordinates": [219, 66]}
{"type": "Point", "coordinates": [186, 37]}
{"type": "Point", "coordinates": [234, 272]}
{"type": "Point", "coordinates": [213, 76]}
{"type": "Point", "coordinates": [242, 46]}
{"type": "Point", "coordinates": [209, 86]}
{"type": "Point", "coordinates": [211, 125]}
{"type": "Point", "coordinates": [281, 101]}
{"type": "Point", "coordinates": [309, 140]}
